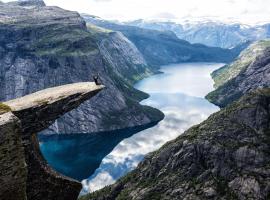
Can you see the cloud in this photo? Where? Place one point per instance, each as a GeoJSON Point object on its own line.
{"type": "Point", "coordinates": [165, 15]}
{"type": "Point", "coordinates": [102, 0]}
{"type": "Point", "coordinates": [181, 112]}
{"type": "Point", "coordinates": [171, 9]}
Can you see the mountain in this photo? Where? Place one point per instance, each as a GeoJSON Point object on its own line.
{"type": "Point", "coordinates": [164, 47]}
{"type": "Point", "coordinates": [28, 3]}
{"type": "Point", "coordinates": [44, 46]}
{"type": "Point", "coordinates": [24, 173]}
{"type": "Point", "coordinates": [250, 71]}
{"type": "Point", "coordinates": [225, 157]}
{"type": "Point", "coordinates": [210, 33]}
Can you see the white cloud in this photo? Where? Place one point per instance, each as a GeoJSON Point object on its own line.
{"type": "Point", "coordinates": [247, 11]}
{"type": "Point", "coordinates": [181, 112]}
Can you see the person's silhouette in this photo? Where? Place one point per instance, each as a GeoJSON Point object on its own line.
{"type": "Point", "coordinates": [96, 78]}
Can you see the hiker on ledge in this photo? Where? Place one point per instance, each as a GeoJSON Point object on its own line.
{"type": "Point", "coordinates": [96, 79]}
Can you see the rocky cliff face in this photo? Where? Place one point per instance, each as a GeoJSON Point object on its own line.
{"type": "Point", "coordinates": [24, 173]}
{"type": "Point", "coordinates": [28, 3]}
{"type": "Point", "coordinates": [13, 170]}
{"type": "Point", "coordinates": [47, 46]}
{"type": "Point", "coordinates": [225, 157]}
{"type": "Point", "coordinates": [164, 47]}
{"type": "Point", "coordinates": [249, 72]}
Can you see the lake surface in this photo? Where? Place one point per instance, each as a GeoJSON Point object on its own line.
{"type": "Point", "coordinates": [100, 159]}
{"type": "Point", "coordinates": [179, 93]}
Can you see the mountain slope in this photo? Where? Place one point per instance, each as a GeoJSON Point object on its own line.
{"type": "Point", "coordinates": [190, 167]}
{"type": "Point", "coordinates": [164, 47]}
{"type": "Point", "coordinates": [250, 71]}
{"type": "Point", "coordinates": [47, 46]}
{"type": "Point", "coordinates": [210, 33]}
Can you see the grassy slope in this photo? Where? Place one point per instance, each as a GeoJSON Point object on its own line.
{"type": "Point", "coordinates": [226, 73]}
{"type": "Point", "coordinates": [225, 77]}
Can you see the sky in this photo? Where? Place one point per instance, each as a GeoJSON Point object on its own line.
{"type": "Point", "coordinates": [245, 11]}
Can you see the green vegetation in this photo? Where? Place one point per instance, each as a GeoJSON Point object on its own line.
{"type": "Point", "coordinates": [64, 41]}
{"type": "Point", "coordinates": [4, 108]}
{"type": "Point", "coordinates": [220, 131]}
{"type": "Point", "coordinates": [228, 72]}
{"type": "Point", "coordinates": [96, 29]}
{"type": "Point", "coordinates": [96, 194]}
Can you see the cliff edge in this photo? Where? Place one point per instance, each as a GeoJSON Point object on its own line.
{"type": "Point", "coordinates": [24, 173]}
{"type": "Point", "coordinates": [225, 157]}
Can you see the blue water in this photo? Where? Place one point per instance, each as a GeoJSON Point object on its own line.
{"type": "Point", "coordinates": [179, 93]}
{"type": "Point", "coordinates": [100, 159]}
{"type": "Point", "coordinates": [79, 155]}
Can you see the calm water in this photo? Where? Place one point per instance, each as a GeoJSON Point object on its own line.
{"type": "Point", "coordinates": [79, 155]}
{"type": "Point", "coordinates": [179, 93]}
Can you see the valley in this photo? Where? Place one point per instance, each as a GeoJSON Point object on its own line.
{"type": "Point", "coordinates": [96, 108]}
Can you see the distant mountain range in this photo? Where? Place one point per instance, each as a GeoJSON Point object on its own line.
{"type": "Point", "coordinates": [161, 47]}
{"type": "Point", "coordinates": [211, 33]}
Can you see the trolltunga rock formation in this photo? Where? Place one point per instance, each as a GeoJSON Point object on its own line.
{"type": "Point", "coordinates": [24, 174]}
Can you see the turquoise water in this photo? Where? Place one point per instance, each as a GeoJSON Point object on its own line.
{"type": "Point", "coordinates": [179, 93]}
{"type": "Point", "coordinates": [100, 159]}
{"type": "Point", "coordinates": [79, 155]}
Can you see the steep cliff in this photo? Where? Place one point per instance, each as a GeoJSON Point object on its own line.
{"type": "Point", "coordinates": [164, 47]}
{"type": "Point", "coordinates": [47, 46]}
{"type": "Point", "coordinates": [250, 71]}
{"type": "Point", "coordinates": [24, 174]}
{"type": "Point", "coordinates": [225, 157]}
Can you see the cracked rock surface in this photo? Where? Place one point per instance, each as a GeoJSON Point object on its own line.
{"type": "Point", "coordinates": [225, 157]}
{"type": "Point", "coordinates": [24, 173]}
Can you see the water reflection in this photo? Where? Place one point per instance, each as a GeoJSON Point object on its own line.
{"type": "Point", "coordinates": [79, 155]}
{"type": "Point", "coordinates": [179, 92]}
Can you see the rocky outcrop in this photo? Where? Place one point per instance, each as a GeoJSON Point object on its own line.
{"type": "Point", "coordinates": [249, 72]}
{"type": "Point", "coordinates": [225, 157]}
{"type": "Point", "coordinates": [13, 170]}
{"type": "Point", "coordinates": [28, 3]}
{"type": "Point", "coordinates": [45, 46]}
{"type": "Point", "coordinates": [164, 47]}
{"type": "Point", "coordinates": [24, 174]}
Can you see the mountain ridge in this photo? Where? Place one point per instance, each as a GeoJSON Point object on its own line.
{"type": "Point", "coordinates": [190, 166]}
{"type": "Point", "coordinates": [48, 46]}
{"type": "Point", "coordinates": [249, 72]}
{"type": "Point", "coordinates": [209, 32]}
{"type": "Point", "coordinates": [164, 47]}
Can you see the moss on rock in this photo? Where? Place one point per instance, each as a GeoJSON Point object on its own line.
{"type": "Point", "coordinates": [4, 108]}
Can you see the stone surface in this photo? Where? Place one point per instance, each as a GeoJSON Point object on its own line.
{"type": "Point", "coordinates": [13, 170]}
{"type": "Point", "coordinates": [37, 111]}
{"type": "Point", "coordinates": [24, 174]}
{"type": "Point", "coordinates": [225, 157]}
{"type": "Point", "coordinates": [28, 3]}
{"type": "Point", "coordinates": [246, 74]}
{"type": "Point", "coordinates": [46, 46]}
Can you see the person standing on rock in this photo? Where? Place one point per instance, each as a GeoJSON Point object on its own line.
{"type": "Point", "coordinates": [96, 79]}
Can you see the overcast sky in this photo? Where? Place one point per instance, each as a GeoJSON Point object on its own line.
{"type": "Point", "coordinates": [246, 11]}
